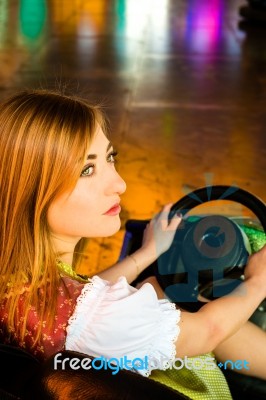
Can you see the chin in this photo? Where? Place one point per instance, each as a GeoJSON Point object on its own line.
{"type": "Point", "coordinates": [112, 228]}
{"type": "Point", "coordinates": [104, 229]}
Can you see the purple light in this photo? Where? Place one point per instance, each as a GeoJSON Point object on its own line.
{"type": "Point", "coordinates": [204, 23]}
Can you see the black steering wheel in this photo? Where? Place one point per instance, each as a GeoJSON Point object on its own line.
{"type": "Point", "coordinates": [208, 253]}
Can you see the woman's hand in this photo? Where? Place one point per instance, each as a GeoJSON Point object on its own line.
{"type": "Point", "coordinates": [157, 238]}
{"type": "Point", "coordinates": [158, 234]}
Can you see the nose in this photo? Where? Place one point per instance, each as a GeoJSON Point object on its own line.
{"type": "Point", "coordinates": [115, 183]}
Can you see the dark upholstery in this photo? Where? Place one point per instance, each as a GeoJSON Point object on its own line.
{"type": "Point", "coordinates": [245, 387]}
{"type": "Point", "coordinates": [18, 369]}
{"type": "Point", "coordinates": [25, 378]}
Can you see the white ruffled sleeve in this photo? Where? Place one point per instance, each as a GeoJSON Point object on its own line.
{"type": "Point", "coordinates": [118, 320]}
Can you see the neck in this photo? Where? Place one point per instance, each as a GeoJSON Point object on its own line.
{"type": "Point", "coordinates": [64, 247]}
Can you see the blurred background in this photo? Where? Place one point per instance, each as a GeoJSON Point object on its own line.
{"type": "Point", "coordinates": [182, 82]}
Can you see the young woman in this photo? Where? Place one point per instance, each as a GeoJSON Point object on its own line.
{"type": "Point", "coordinates": [59, 184]}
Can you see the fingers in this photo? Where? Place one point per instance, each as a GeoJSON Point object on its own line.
{"type": "Point", "coordinates": [164, 217]}
{"type": "Point", "coordinates": [175, 222]}
{"type": "Point", "coordinates": [160, 232]}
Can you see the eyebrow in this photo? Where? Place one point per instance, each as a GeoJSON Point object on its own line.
{"type": "Point", "coordinates": [94, 156]}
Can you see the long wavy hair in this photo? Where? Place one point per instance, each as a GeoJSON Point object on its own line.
{"type": "Point", "coordinates": [44, 137]}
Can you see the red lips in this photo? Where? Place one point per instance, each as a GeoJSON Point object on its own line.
{"type": "Point", "coordinates": [114, 210]}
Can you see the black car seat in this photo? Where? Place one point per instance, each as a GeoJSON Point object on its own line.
{"type": "Point", "coordinates": [25, 378]}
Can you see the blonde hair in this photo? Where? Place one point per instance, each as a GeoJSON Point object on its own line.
{"type": "Point", "coordinates": [44, 137]}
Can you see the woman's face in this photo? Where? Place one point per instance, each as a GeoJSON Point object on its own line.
{"type": "Point", "coordinates": [92, 208]}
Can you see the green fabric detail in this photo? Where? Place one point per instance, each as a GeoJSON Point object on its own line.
{"type": "Point", "coordinates": [198, 384]}
{"type": "Point", "coordinates": [256, 237]}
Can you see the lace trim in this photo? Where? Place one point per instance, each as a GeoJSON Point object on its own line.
{"type": "Point", "coordinates": [87, 291]}
{"type": "Point", "coordinates": [168, 331]}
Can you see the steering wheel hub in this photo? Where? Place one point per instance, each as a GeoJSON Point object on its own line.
{"type": "Point", "coordinates": [213, 242]}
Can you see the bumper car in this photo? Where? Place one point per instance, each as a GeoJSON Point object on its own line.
{"type": "Point", "coordinates": [206, 260]}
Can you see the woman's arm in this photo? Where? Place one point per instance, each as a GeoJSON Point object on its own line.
{"type": "Point", "coordinates": [219, 324]}
{"type": "Point", "coordinates": [157, 238]}
{"type": "Point", "coordinates": [248, 343]}
{"type": "Point", "coordinates": [130, 267]}
{"type": "Point", "coordinates": [219, 319]}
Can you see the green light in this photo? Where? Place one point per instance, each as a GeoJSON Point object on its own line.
{"type": "Point", "coordinates": [32, 17]}
{"type": "Point", "coordinates": [3, 21]}
{"type": "Point", "coordinates": [121, 15]}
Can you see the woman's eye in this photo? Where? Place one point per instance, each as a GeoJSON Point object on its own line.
{"type": "Point", "coordinates": [87, 171]}
{"type": "Point", "coordinates": [112, 157]}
